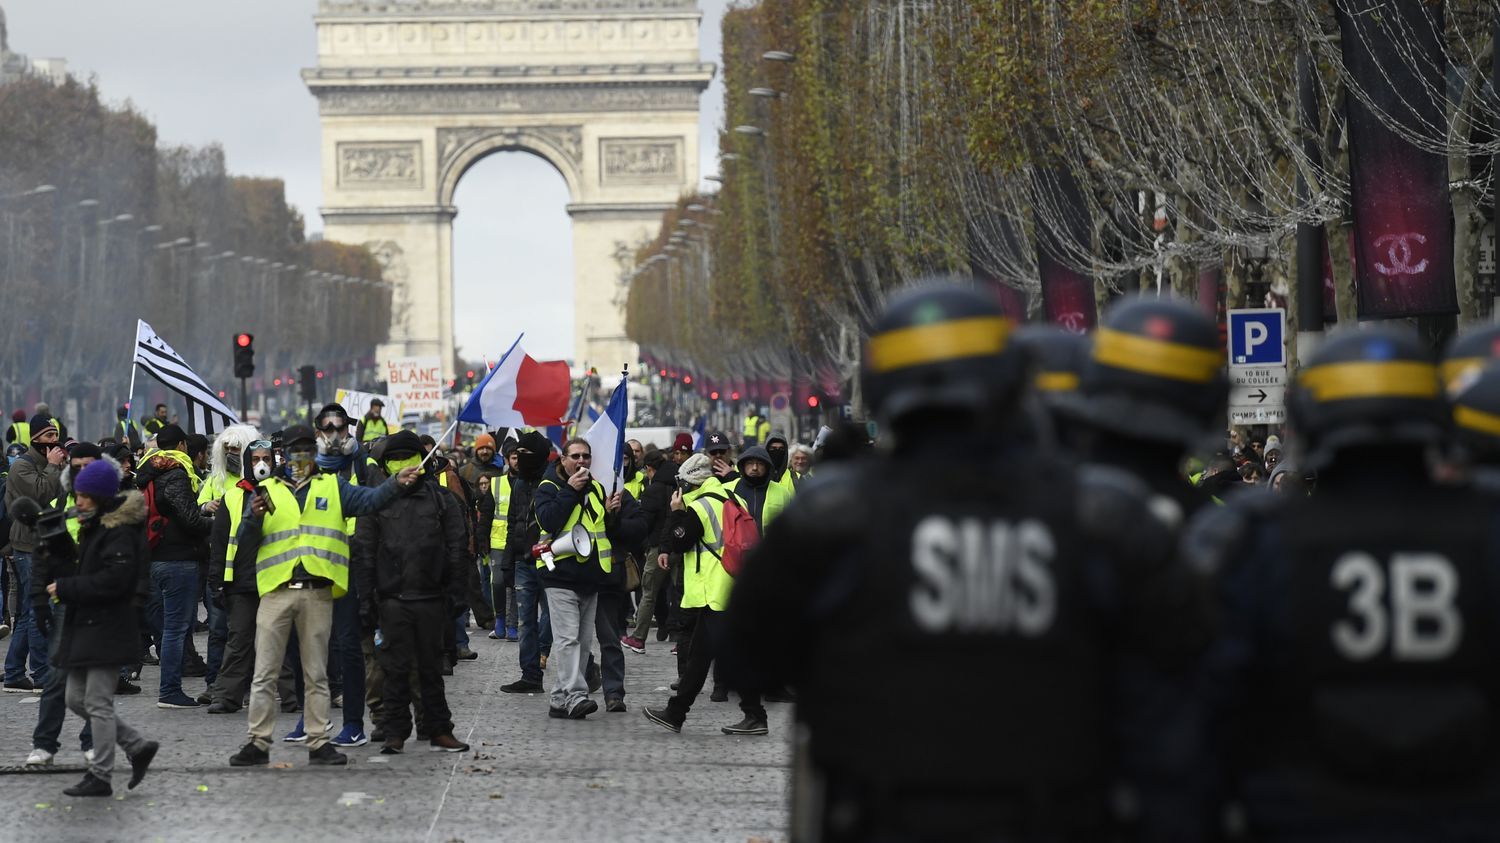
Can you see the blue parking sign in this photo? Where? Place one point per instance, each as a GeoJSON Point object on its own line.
{"type": "Point", "coordinates": [1257, 337]}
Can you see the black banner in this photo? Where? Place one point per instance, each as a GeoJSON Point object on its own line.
{"type": "Point", "coordinates": [1063, 228]}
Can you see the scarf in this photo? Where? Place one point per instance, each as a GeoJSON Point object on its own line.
{"type": "Point", "coordinates": [333, 463]}
{"type": "Point", "coordinates": [163, 460]}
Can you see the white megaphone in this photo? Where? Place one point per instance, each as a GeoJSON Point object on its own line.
{"type": "Point", "coordinates": [576, 541]}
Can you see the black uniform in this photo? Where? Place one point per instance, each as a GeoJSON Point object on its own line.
{"type": "Point", "coordinates": [1013, 616]}
{"type": "Point", "coordinates": [1357, 692]}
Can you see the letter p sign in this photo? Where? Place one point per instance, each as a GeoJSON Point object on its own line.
{"type": "Point", "coordinates": [1256, 337]}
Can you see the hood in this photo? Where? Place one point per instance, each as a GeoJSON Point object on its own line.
{"type": "Point", "coordinates": [131, 510]}
{"type": "Point", "coordinates": [754, 452]}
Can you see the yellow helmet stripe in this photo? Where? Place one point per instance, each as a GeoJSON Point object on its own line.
{"type": "Point", "coordinates": [1158, 358]}
{"type": "Point", "coordinates": [1387, 379]}
{"type": "Point", "coordinates": [938, 343]}
{"type": "Point", "coordinates": [1056, 382]}
{"type": "Point", "coordinates": [1477, 420]}
{"type": "Point", "coordinates": [1454, 368]}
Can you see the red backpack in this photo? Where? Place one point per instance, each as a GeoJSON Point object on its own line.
{"type": "Point", "coordinates": [741, 535]}
{"type": "Point", "coordinates": [156, 522]}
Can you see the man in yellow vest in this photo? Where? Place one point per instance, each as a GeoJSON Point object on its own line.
{"type": "Point", "coordinates": [157, 421]}
{"type": "Point", "coordinates": [781, 470]}
{"type": "Point", "coordinates": [695, 528]}
{"type": "Point", "coordinates": [373, 425]}
{"type": "Point", "coordinates": [568, 497]}
{"type": "Point", "coordinates": [20, 430]}
{"type": "Point", "coordinates": [297, 525]}
{"type": "Point", "coordinates": [751, 430]}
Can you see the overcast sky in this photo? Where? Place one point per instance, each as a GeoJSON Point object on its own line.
{"type": "Point", "coordinates": [228, 71]}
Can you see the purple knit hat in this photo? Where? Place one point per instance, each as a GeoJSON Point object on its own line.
{"type": "Point", "coordinates": [98, 480]}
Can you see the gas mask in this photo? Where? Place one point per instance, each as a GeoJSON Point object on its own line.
{"type": "Point", "coordinates": [341, 444]}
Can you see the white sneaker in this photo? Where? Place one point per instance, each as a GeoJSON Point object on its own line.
{"type": "Point", "coordinates": [88, 757]}
{"type": "Point", "coordinates": [4, 630]}
{"type": "Point", "coordinates": [39, 758]}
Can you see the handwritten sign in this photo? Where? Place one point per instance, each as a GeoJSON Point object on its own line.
{"type": "Point", "coordinates": [417, 382]}
{"type": "Point", "coordinates": [358, 403]}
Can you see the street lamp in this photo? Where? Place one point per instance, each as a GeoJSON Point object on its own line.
{"type": "Point", "coordinates": [753, 131]}
{"type": "Point", "coordinates": [766, 93]}
{"type": "Point", "coordinates": [778, 55]}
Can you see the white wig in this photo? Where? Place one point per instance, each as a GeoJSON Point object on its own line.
{"type": "Point", "coordinates": [238, 435]}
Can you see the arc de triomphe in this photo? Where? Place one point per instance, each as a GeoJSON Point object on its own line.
{"type": "Point", "coordinates": [412, 93]}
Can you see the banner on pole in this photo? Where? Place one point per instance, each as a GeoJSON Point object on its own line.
{"type": "Point", "coordinates": [357, 403]}
{"type": "Point", "coordinates": [1063, 228]}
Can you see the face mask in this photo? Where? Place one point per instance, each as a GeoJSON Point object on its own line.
{"type": "Point", "coordinates": [11, 460]}
{"type": "Point", "coordinates": [531, 465]}
{"type": "Point", "coordinates": [394, 467]}
{"type": "Point", "coordinates": [778, 459]}
{"type": "Point", "coordinates": [260, 471]}
{"type": "Point", "coordinates": [232, 463]}
{"type": "Point", "coordinates": [302, 465]}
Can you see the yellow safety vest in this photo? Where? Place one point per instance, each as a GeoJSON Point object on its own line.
{"type": "Point", "coordinates": [787, 483]}
{"type": "Point", "coordinates": [23, 432]}
{"type": "Point", "coordinates": [234, 499]}
{"type": "Point", "coordinates": [124, 426]}
{"type": "Point", "coordinates": [72, 521]}
{"type": "Point", "coordinates": [354, 481]}
{"type": "Point", "coordinates": [635, 486]}
{"type": "Point", "coordinates": [500, 489]}
{"type": "Point", "coordinates": [212, 490]}
{"type": "Point", "coordinates": [752, 425]}
{"type": "Point", "coordinates": [777, 498]}
{"type": "Point", "coordinates": [313, 535]}
{"type": "Point", "coordinates": [763, 432]}
{"type": "Point", "coordinates": [374, 429]}
{"type": "Point", "coordinates": [591, 514]}
{"type": "Point", "coordinates": [704, 580]}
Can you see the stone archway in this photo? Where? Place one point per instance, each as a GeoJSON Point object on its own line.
{"type": "Point", "coordinates": [412, 93]}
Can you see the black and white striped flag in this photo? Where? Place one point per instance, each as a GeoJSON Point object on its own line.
{"type": "Point", "coordinates": [206, 413]}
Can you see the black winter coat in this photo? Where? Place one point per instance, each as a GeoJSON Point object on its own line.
{"type": "Point", "coordinates": [553, 505]}
{"type": "Point", "coordinates": [186, 534]}
{"type": "Point", "coordinates": [414, 549]}
{"type": "Point", "coordinates": [244, 561]}
{"type": "Point", "coordinates": [656, 501]}
{"type": "Point", "coordinates": [99, 593]}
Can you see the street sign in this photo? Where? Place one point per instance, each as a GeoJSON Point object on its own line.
{"type": "Point", "coordinates": [1487, 249]}
{"type": "Point", "coordinates": [1257, 337]}
{"type": "Point", "coordinates": [1257, 415]}
{"type": "Point", "coordinates": [1257, 396]}
{"type": "Point", "coordinates": [1254, 376]}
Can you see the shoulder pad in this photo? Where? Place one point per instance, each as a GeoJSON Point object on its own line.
{"type": "Point", "coordinates": [1216, 534]}
{"type": "Point", "coordinates": [1112, 502]}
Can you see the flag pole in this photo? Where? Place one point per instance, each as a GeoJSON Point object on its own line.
{"type": "Point", "coordinates": [130, 396]}
{"type": "Point", "coordinates": [625, 385]}
{"type": "Point", "coordinates": [445, 435]}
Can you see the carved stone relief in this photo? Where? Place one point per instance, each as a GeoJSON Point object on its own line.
{"type": "Point", "coordinates": [383, 165]}
{"type": "Point", "coordinates": [505, 100]}
{"type": "Point", "coordinates": [640, 160]}
{"type": "Point", "coordinates": [453, 143]}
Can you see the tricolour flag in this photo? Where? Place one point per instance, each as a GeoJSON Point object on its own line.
{"type": "Point", "coordinates": [206, 413]}
{"type": "Point", "coordinates": [698, 433]}
{"type": "Point", "coordinates": [519, 392]}
{"type": "Point", "coordinates": [607, 442]}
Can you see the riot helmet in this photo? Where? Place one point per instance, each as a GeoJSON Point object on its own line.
{"type": "Point", "coordinates": [939, 346]}
{"type": "Point", "coordinates": [1376, 386]}
{"type": "Point", "coordinates": [1468, 351]}
{"type": "Point", "coordinates": [1156, 372]}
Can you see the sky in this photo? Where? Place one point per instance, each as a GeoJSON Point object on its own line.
{"type": "Point", "coordinates": [228, 71]}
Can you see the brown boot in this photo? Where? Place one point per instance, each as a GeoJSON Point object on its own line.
{"type": "Point", "coordinates": [447, 743]}
{"type": "Point", "coordinates": [392, 746]}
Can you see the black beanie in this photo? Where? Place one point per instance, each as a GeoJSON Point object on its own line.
{"type": "Point", "coordinates": [40, 423]}
{"type": "Point", "coordinates": [532, 465]}
{"type": "Point", "coordinates": [86, 450]}
{"type": "Point", "coordinates": [400, 445]}
{"type": "Point", "coordinates": [169, 437]}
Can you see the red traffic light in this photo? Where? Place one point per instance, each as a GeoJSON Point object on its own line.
{"type": "Point", "coordinates": [221, 394]}
{"type": "Point", "coordinates": [470, 373]}
{"type": "Point", "coordinates": [812, 400]}
{"type": "Point", "coordinates": [244, 340]}
{"type": "Point", "coordinates": [734, 396]}
{"type": "Point", "coordinates": [714, 395]}
{"type": "Point", "coordinates": [320, 374]}
{"type": "Point", "coordinates": [278, 381]}
{"type": "Point", "coordinates": [452, 383]}
{"type": "Point", "coordinates": [663, 372]}
{"type": "Point", "coordinates": [687, 378]}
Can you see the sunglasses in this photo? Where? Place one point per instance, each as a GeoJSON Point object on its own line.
{"type": "Point", "coordinates": [580, 456]}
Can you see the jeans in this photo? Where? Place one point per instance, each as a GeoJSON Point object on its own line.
{"type": "Point", "coordinates": [535, 635]}
{"type": "Point", "coordinates": [26, 641]}
{"type": "Point", "coordinates": [91, 695]}
{"type": "Point", "coordinates": [53, 707]}
{"type": "Point", "coordinates": [573, 634]}
{"type": "Point", "coordinates": [218, 635]}
{"type": "Point", "coordinates": [350, 657]}
{"type": "Point", "coordinates": [177, 584]}
{"type": "Point", "coordinates": [461, 632]}
{"type": "Point", "coordinates": [503, 590]}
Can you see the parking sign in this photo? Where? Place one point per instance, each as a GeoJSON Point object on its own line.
{"type": "Point", "coordinates": [1257, 337]}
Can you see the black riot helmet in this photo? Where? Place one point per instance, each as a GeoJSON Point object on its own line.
{"type": "Point", "coordinates": [1376, 386]}
{"type": "Point", "coordinates": [1468, 351]}
{"type": "Point", "coordinates": [939, 346]}
{"type": "Point", "coordinates": [1476, 414]}
{"type": "Point", "coordinates": [1156, 372]}
{"type": "Point", "coordinates": [1054, 359]}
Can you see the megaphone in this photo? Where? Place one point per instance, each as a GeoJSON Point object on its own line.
{"type": "Point", "coordinates": [576, 541]}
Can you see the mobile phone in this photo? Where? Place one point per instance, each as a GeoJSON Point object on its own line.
{"type": "Point", "coordinates": [265, 498]}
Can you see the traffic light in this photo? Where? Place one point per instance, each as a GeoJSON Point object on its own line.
{"type": "Point", "coordinates": [244, 355]}
{"type": "Point", "coordinates": [308, 382]}
{"type": "Point", "coordinates": [812, 402]}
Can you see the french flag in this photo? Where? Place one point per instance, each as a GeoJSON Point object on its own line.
{"type": "Point", "coordinates": [520, 392]}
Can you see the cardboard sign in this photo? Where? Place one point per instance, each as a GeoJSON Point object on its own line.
{"type": "Point", "coordinates": [417, 382]}
{"type": "Point", "coordinates": [358, 403]}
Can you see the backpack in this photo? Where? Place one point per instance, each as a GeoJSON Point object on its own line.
{"type": "Point", "coordinates": [156, 521]}
{"type": "Point", "coordinates": [741, 535]}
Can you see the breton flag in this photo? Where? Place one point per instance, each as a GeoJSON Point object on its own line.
{"type": "Point", "coordinates": [519, 392]}
{"type": "Point", "coordinates": [607, 441]}
{"type": "Point", "coordinates": [206, 413]}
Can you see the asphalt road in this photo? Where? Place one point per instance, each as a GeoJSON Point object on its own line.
{"type": "Point", "coordinates": [612, 777]}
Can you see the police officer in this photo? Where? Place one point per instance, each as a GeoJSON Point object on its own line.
{"type": "Point", "coordinates": [1468, 351]}
{"type": "Point", "coordinates": [1055, 360]}
{"type": "Point", "coordinates": [1007, 591]}
{"type": "Point", "coordinates": [1356, 691]}
{"type": "Point", "coordinates": [1476, 427]}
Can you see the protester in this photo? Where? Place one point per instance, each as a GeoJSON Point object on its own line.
{"type": "Point", "coordinates": [656, 498]}
{"type": "Point", "coordinates": [231, 569]}
{"type": "Point", "coordinates": [19, 432]}
{"type": "Point", "coordinates": [158, 420]}
{"type": "Point", "coordinates": [36, 474]}
{"type": "Point", "coordinates": [409, 562]}
{"type": "Point", "coordinates": [372, 425]}
{"type": "Point", "coordinates": [99, 635]}
{"type": "Point", "coordinates": [522, 532]}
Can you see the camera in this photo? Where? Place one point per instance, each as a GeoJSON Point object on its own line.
{"type": "Point", "coordinates": [51, 526]}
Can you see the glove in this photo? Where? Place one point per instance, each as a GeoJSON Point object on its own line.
{"type": "Point", "coordinates": [43, 617]}
{"type": "Point", "coordinates": [369, 620]}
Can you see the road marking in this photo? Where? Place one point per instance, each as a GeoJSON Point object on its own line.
{"type": "Point", "coordinates": [468, 739]}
